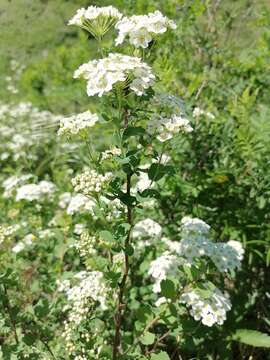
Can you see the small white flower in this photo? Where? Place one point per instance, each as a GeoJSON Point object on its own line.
{"type": "Point", "coordinates": [76, 124]}
{"type": "Point", "coordinates": [142, 29]}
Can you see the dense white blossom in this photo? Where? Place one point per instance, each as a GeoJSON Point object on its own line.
{"type": "Point", "coordinates": [101, 75]}
{"type": "Point", "coordinates": [30, 192]}
{"type": "Point", "coordinates": [96, 20]}
{"type": "Point", "coordinates": [13, 182]}
{"type": "Point", "coordinates": [91, 182]}
{"type": "Point", "coordinates": [142, 29]}
{"type": "Point", "coordinates": [80, 203]}
{"type": "Point", "coordinates": [77, 124]}
{"type": "Point", "coordinates": [89, 288]}
{"type": "Point", "coordinates": [194, 225]}
{"type": "Point", "coordinates": [146, 228]}
{"type": "Point", "coordinates": [162, 267]}
{"type": "Point", "coordinates": [85, 245]}
{"type": "Point", "coordinates": [227, 256]}
{"type": "Point", "coordinates": [64, 200]}
{"type": "Point", "coordinates": [209, 309]}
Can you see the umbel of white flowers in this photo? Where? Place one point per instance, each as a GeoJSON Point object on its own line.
{"type": "Point", "coordinates": [101, 75]}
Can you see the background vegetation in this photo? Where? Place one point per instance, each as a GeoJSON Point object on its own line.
{"type": "Point", "coordinates": [219, 60]}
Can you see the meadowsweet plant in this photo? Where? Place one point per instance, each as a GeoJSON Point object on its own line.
{"type": "Point", "coordinates": [139, 280]}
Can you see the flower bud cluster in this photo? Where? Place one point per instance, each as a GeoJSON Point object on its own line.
{"type": "Point", "coordinates": [142, 29]}
{"type": "Point", "coordinates": [91, 182]}
{"type": "Point", "coordinates": [77, 124]}
{"type": "Point", "coordinates": [7, 230]}
{"type": "Point", "coordinates": [108, 154]}
{"type": "Point", "coordinates": [101, 75]}
{"type": "Point", "coordinates": [85, 245]}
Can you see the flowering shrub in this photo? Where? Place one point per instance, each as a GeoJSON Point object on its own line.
{"type": "Point", "coordinates": [110, 251]}
{"type": "Point", "coordinates": [101, 256]}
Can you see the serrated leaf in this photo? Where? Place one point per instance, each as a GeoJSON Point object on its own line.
{"type": "Point", "coordinates": [252, 337]}
{"type": "Point", "coordinates": [148, 338]}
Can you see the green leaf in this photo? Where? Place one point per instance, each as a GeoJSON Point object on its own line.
{"type": "Point", "coordinates": [167, 288]}
{"type": "Point", "coordinates": [29, 339]}
{"type": "Point", "coordinates": [42, 308]}
{"type": "Point", "coordinates": [252, 337]}
{"type": "Point", "coordinates": [106, 235]}
{"type": "Point", "coordinates": [157, 171]}
{"type": "Point", "coordinates": [133, 131]}
{"type": "Point", "coordinates": [160, 356]}
{"type": "Point", "coordinates": [148, 338]}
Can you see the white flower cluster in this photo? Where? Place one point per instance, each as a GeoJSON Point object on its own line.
{"type": "Point", "coordinates": [21, 245]}
{"type": "Point", "coordinates": [167, 127]}
{"type": "Point", "coordinates": [13, 182]}
{"type": "Point", "coordinates": [108, 154]}
{"type": "Point", "coordinates": [142, 29]}
{"type": "Point", "coordinates": [64, 200]}
{"type": "Point", "coordinates": [77, 124]}
{"type": "Point", "coordinates": [80, 203]}
{"type": "Point", "coordinates": [95, 13]}
{"type": "Point", "coordinates": [91, 182]}
{"type": "Point", "coordinates": [196, 243]}
{"type": "Point", "coordinates": [91, 288]}
{"type": "Point", "coordinates": [143, 183]}
{"type": "Point", "coordinates": [209, 309]}
{"type": "Point", "coordinates": [24, 126]}
{"type": "Point", "coordinates": [112, 209]}
{"type": "Point", "coordinates": [103, 74]}
{"type": "Point", "coordinates": [227, 256]}
{"type": "Point", "coordinates": [39, 192]}
{"type": "Point", "coordinates": [85, 245]}
{"type": "Point", "coordinates": [162, 267]}
{"type": "Point", "coordinates": [7, 230]}
{"type": "Point", "coordinates": [146, 228]}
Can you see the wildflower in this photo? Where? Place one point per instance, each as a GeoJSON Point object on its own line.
{"type": "Point", "coordinates": [146, 228]}
{"type": "Point", "coordinates": [108, 154]}
{"type": "Point", "coordinates": [77, 124]}
{"type": "Point", "coordinates": [103, 74]}
{"type": "Point", "coordinates": [96, 20]}
{"type": "Point", "coordinates": [30, 192]}
{"type": "Point", "coordinates": [162, 267]}
{"type": "Point", "coordinates": [209, 309]}
{"type": "Point", "coordinates": [142, 29]}
{"type": "Point", "coordinates": [90, 182]}
{"type": "Point", "coordinates": [80, 203]}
